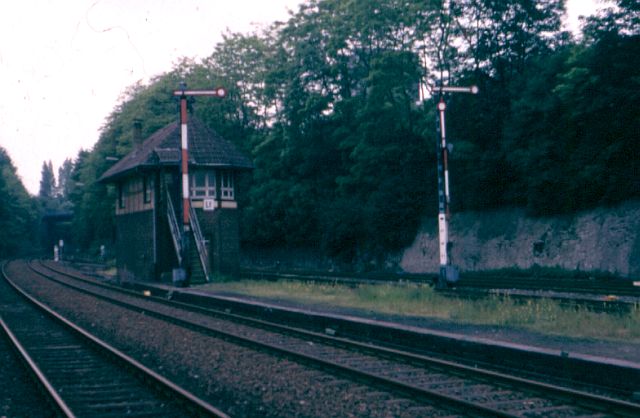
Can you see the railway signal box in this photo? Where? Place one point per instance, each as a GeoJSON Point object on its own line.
{"type": "Point", "coordinates": [151, 241]}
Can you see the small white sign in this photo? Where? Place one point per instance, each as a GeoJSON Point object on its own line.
{"type": "Point", "coordinates": [209, 204]}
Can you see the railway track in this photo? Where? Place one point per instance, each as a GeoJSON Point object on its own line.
{"type": "Point", "coordinates": [599, 295]}
{"type": "Point", "coordinates": [82, 375]}
{"type": "Point", "coordinates": [611, 295]}
{"type": "Point", "coordinates": [619, 287]}
{"type": "Point", "coordinates": [610, 286]}
{"type": "Point", "coordinates": [20, 395]}
{"type": "Point", "coordinates": [457, 388]}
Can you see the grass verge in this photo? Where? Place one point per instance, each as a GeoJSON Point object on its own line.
{"type": "Point", "coordinates": [540, 315]}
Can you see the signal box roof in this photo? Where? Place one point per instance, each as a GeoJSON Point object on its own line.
{"type": "Point", "coordinates": [206, 149]}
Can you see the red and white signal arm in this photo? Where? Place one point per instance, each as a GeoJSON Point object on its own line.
{"type": "Point", "coordinates": [209, 204]}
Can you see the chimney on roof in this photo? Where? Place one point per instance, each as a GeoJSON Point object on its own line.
{"type": "Point", "coordinates": [137, 131]}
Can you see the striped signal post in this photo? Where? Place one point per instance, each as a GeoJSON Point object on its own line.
{"type": "Point", "coordinates": [183, 93]}
{"type": "Point", "coordinates": [447, 271]}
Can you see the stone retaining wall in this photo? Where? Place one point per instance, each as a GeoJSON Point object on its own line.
{"type": "Point", "coordinates": [604, 239]}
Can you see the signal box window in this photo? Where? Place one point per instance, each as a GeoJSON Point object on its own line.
{"type": "Point", "coordinates": [226, 185]}
{"type": "Point", "coordinates": [121, 195]}
{"type": "Point", "coordinates": [147, 186]}
{"type": "Point", "coordinates": [203, 184]}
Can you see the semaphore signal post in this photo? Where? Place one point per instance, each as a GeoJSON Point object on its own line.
{"type": "Point", "coordinates": [448, 272]}
{"type": "Point", "coordinates": [183, 93]}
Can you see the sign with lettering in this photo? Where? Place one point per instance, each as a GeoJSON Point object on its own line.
{"type": "Point", "coordinates": [209, 204]}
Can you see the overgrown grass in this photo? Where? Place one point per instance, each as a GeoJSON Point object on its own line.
{"type": "Point", "coordinates": [545, 272]}
{"type": "Point", "coordinates": [542, 315]}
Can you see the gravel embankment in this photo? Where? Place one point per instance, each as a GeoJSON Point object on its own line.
{"type": "Point", "coordinates": [240, 381]}
{"type": "Point", "coordinates": [623, 349]}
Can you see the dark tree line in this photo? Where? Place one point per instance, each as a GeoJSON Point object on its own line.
{"type": "Point", "coordinates": [18, 212]}
{"type": "Point", "coordinates": [325, 104]}
{"type": "Point", "coordinates": [21, 215]}
{"type": "Point", "coordinates": [54, 194]}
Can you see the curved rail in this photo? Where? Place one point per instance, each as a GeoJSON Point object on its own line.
{"type": "Point", "coordinates": [58, 402]}
{"type": "Point", "coordinates": [70, 338]}
{"type": "Point", "coordinates": [391, 366]}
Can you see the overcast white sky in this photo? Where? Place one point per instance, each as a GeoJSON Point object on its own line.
{"type": "Point", "coordinates": [63, 64]}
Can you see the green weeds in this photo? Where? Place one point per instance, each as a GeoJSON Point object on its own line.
{"type": "Point", "coordinates": [541, 315]}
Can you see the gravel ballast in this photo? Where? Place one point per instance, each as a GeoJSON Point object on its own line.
{"type": "Point", "coordinates": [240, 381]}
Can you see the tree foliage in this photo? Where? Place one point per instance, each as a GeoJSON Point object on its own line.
{"type": "Point", "coordinates": [65, 184]}
{"type": "Point", "coordinates": [47, 182]}
{"type": "Point", "coordinates": [325, 103]}
{"type": "Point", "coordinates": [18, 212]}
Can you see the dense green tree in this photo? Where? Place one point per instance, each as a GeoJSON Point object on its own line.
{"type": "Point", "coordinates": [386, 164]}
{"type": "Point", "coordinates": [500, 36]}
{"type": "Point", "coordinates": [325, 103]}
{"type": "Point", "coordinates": [47, 182]}
{"type": "Point", "coordinates": [64, 179]}
{"type": "Point", "coordinates": [18, 213]}
{"type": "Point", "coordinates": [54, 195]}
{"type": "Point", "coordinates": [620, 18]}
{"type": "Point", "coordinates": [573, 129]}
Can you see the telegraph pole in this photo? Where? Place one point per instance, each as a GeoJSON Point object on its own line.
{"type": "Point", "coordinates": [183, 93]}
{"type": "Point", "coordinates": [448, 272]}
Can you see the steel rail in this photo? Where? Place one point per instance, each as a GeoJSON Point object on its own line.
{"type": "Point", "coordinates": [192, 401]}
{"type": "Point", "coordinates": [571, 395]}
{"type": "Point", "coordinates": [322, 364]}
{"type": "Point", "coordinates": [41, 379]}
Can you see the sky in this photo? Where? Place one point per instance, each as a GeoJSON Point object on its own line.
{"type": "Point", "coordinates": [64, 64]}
